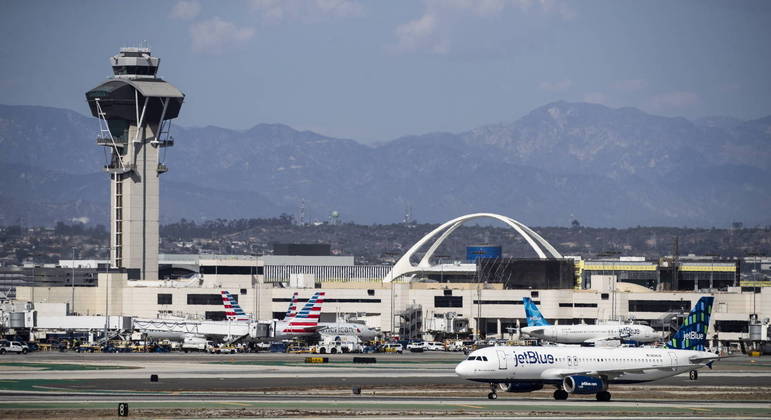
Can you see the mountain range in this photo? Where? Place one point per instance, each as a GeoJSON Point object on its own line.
{"type": "Point", "coordinates": [560, 162]}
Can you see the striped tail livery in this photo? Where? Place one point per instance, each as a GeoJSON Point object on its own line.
{"type": "Point", "coordinates": [292, 310]}
{"type": "Point", "coordinates": [306, 320]}
{"type": "Point", "coordinates": [233, 311]}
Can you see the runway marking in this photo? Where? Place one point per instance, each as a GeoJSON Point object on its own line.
{"type": "Point", "coordinates": [235, 403]}
{"type": "Point", "coordinates": [469, 406]}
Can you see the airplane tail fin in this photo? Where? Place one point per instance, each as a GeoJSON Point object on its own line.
{"type": "Point", "coordinates": [292, 310]}
{"type": "Point", "coordinates": [233, 311]}
{"type": "Point", "coordinates": [534, 317]}
{"type": "Point", "coordinates": [307, 318]}
{"type": "Point", "coordinates": [692, 335]}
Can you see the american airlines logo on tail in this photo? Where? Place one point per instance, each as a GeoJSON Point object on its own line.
{"type": "Point", "coordinates": [233, 311]}
{"type": "Point", "coordinates": [292, 310]}
{"type": "Point", "coordinates": [306, 320]}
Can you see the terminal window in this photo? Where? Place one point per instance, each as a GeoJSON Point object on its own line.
{"type": "Point", "coordinates": [448, 301]}
{"type": "Point", "coordinates": [164, 298]}
{"type": "Point", "coordinates": [206, 299]}
{"type": "Point", "coordinates": [659, 305]}
{"type": "Point", "coordinates": [577, 305]}
{"type": "Point", "coordinates": [730, 325]}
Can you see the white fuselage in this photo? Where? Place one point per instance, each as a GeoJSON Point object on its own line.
{"type": "Point", "coordinates": [506, 364]}
{"type": "Point", "coordinates": [347, 328]}
{"type": "Point", "coordinates": [284, 330]}
{"type": "Point", "coordinates": [579, 334]}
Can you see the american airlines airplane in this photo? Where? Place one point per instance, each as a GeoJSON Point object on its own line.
{"type": "Point", "coordinates": [538, 327]}
{"type": "Point", "coordinates": [303, 323]}
{"type": "Point", "coordinates": [337, 328]}
{"type": "Point", "coordinates": [582, 370]}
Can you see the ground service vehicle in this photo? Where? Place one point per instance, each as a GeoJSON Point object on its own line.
{"type": "Point", "coordinates": [393, 348]}
{"type": "Point", "coordinates": [13, 347]}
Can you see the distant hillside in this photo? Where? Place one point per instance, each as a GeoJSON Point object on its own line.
{"type": "Point", "coordinates": [560, 162]}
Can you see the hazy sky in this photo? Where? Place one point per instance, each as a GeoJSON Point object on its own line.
{"type": "Point", "coordinates": [377, 70]}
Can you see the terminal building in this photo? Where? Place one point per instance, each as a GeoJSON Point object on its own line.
{"type": "Point", "coordinates": [480, 297]}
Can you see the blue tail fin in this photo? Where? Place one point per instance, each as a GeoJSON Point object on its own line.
{"type": "Point", "coordinates": [692, 335]}
{"type": "Point", "coordinates": [534, 317]}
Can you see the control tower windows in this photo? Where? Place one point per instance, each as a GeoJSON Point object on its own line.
{"type": "Point", "coordinates": [140, 70]}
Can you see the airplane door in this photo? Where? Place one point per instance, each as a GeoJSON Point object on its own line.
{"type": "Point", "coordinates": [501, 359]}
{"type": "Point", "coordinates": [672, 359]}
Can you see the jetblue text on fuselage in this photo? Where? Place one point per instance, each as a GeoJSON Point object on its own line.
{"type": "Point", "coordinates": [628, 331]}
{"type": "Point", "coordinates": [532, 357]}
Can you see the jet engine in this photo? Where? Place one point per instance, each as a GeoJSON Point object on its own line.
{"type": "Point", "coordinates": [579, 384]}
{"type": "Point", "coordinates": [520, 386]}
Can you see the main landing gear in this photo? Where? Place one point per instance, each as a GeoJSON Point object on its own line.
{"type": "Point", "coordinates": [694, 375]}
{"type": "Point", "coordinates": [561, 395]}
{"type": "Point", "coordinates": [492, 395]}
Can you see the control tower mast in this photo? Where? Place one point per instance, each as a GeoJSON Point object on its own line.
{"type": "Point", "coordinates": [134, 108]}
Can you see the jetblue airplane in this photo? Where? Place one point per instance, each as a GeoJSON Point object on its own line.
{"type": "Point", "coordinates": [589, 370]}
{"type": "Point", "coordinates": [538, 327]}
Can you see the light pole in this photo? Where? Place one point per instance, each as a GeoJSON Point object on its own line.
{"type": "Point", "coordinates": [72, 300]}
{"type": "Point", "coordinates": [393, 304]}
{"type": "Point", "coordinates": [107, 294]}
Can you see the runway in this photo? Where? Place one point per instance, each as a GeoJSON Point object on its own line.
{"type": "Point", "coordinates": [280, 385]}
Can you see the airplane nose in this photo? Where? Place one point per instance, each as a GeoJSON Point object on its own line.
{"type": "Point", "coordinates": [463, 369]}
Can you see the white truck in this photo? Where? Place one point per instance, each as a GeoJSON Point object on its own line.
{"type": "Point", "coordinates": [196, 344]}
{"type": "Point", "coordinates": [13, 347]}
{"type": "Point", "coordinates": [329, 344]}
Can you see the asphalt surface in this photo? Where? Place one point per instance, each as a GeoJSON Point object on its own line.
{"type": "Point", "coordinates": [403, 384]}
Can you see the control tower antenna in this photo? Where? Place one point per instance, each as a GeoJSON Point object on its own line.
{"type": "Point", "coordinates": [135, 109]}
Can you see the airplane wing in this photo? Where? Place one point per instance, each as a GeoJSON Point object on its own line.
{"type": "Point", "coordinates": [610, 373]}
{"type": "Point", "coordinates": [707, 359]}
{"type": "Point", "coordinates": [594, 340]}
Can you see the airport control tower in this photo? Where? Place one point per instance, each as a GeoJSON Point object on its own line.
{"type": "Point", "coordinates": [134, 108]}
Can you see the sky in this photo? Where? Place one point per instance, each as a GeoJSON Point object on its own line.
{"type": "Point", "coordinates": [377, 70]}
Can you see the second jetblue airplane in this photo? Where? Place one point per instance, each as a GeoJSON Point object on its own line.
{"type": "Point", "coordinates": [538, 327]}
{"type": "Point", "coordinates": [579, 370]}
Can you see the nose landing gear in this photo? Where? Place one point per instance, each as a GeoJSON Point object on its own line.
{"type": "Point", "coordinates": [492, 395]}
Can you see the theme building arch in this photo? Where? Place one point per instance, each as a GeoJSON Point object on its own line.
{"type": "Point", "coordinates": [405, 267]}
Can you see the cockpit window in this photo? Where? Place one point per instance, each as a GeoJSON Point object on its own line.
{"type": "Point", "coordinates": [484, 358]}
{"type": "Point", "coordinates": [471, 358]}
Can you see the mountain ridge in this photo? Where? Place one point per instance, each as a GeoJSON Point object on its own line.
{"type": "Point", "coordinates": [562, 161]}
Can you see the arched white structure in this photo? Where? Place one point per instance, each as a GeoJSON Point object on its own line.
{"type": "Point", "coordinates": [405, 267]}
